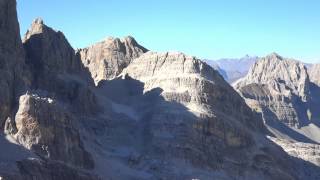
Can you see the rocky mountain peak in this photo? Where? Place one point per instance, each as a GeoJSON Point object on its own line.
{"type": "Point", "coordinates": [37, 27]}
{"type": "Point", "coordinates": [274, 69]}
{"type": "Point", "coordinates": [106, 59]}
{"type": "Point", "coordinates": [37, 21]}
{"type": "Point", "coordinates": [48, 50]}
{"type": "Point", "coordinates": [281, 89]}
{"type": "Point", "coordinates": [274, 56]}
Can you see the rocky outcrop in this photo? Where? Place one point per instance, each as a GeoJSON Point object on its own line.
{"type": "Point", "coordinates": [105, 60]}
{"type": "Point", "coordinates": [314, 73]}
{"type": "Point", "coordinates": [277, 87]}
{"type": "Point", "coordinates": [46, 128]}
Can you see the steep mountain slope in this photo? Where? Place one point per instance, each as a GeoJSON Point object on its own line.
{"type": "Point", "coordinates": [106, 59]}
{"type": "Point", "coordinates": [233, 69]}
{"type": "Point", "coordinates": [280, 89]}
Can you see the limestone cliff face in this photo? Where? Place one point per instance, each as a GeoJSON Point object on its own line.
{"type": "Point", "coordinates": [11, 57]}
{"type": "Point", "coordinates": [47, 128]}
{"type": "Point", "coordinates": [105, 60]}
{"type": "Point", "coordinates": [278, 87]}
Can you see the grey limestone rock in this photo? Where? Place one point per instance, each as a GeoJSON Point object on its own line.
{"type": "Point", "coordinates": [105, 60]}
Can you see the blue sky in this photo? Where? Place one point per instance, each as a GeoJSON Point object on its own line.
{"type": "Point", "coordinates": [207, 29]}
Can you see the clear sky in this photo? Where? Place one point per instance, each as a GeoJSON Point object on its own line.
{"type": "Point", "coordinates": [204, 28]}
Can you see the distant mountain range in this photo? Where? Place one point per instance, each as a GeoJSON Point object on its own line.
{"type": "Point", "coordinates": [233, 69]}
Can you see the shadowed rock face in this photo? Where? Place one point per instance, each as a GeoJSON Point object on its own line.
{"type": "Point", "coordinates": [105, 60]}
{"type": "Point", "coordinates": [56, 69]}
{"type": "Point", "coordinates": [52, 170]}
{"type": "Point", "coordinates": [59, 77]}
{"type": "Point", "coordinates": [314, 73]}
{"type": "Point", "coordinates": [11, 57]}
{"type": "Point", "coordinates": [48, 50]}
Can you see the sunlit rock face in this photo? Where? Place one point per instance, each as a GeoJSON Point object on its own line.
{"type": "Point", "coordinates": [105, 60]}
{"type": "Point", "coordinates": [286, 94]}
{"type": "Point", "coordinates": [278, 87]}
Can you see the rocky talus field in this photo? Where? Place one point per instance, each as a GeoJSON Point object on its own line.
{"type": "Point", "coordinates": [118, 111]}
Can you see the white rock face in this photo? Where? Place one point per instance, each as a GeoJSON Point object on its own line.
{"type": "Point", "coordinates": [105, 60]}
